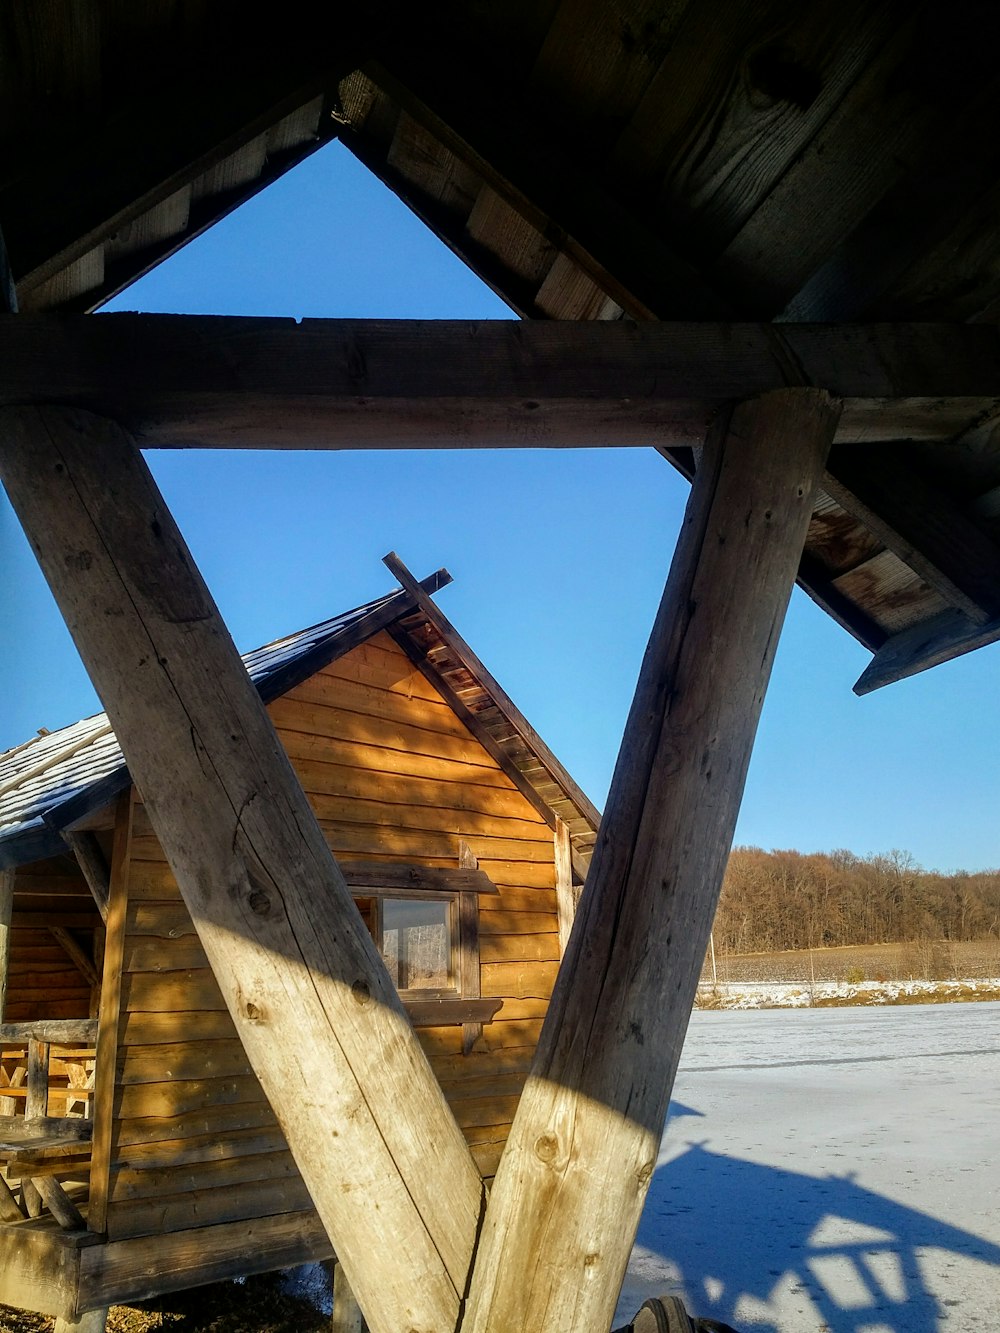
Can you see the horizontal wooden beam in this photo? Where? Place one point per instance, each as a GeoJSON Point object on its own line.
{"type": "Point", "coordinates": [921, 524]}
{"type": "Point", "coordinates": [945, 636]}
{"type": "Point", "coordinates": [377, 877]}
{"type": "Point", "coordinates": [213, 382]}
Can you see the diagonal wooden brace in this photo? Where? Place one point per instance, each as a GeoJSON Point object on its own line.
{"type": "Point", "coordinates": [569, 1192]}
{"type": "Point", "coordinates": [386, 1165]}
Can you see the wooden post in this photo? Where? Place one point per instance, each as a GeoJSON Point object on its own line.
{"type": "Point", "coordinates": [6, 907]}
{"type": "Point", "coordinates": [567, 1198]}
{"type": "Point", "coordinates": [347, 1316]}
{"type": "Point", "coordinates": [323, 1027]}
{"type": "Point", "coordinates": [566, 897]}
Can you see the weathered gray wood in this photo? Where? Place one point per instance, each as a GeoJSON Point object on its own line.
{"type": "Point", "coordinates": [347, 1316]}
{"type": "Point", "coordinates": [36, 1103]}
{"type": "Point", "coordinates": [93, 866]}
{"type": "Point", "coordinates": [94, 1321]}
{"type": "Point", "coordinates": [10, 1209]}
{"type": "Point", "coordinates": [312, 1002]}
{"type": "Point", "coordinates": [59, 1204]}
{"type": "Point", "coordinates": [922, 525]}
{"type": "Point", "coordinates": [214, 382]}
{"type": "Point", "coordinates": [372, 876]}
{"type": "Point", "coordinates": [6, 908]}
{"type": "Point", "coordinates": [923, 646]}
{"type": "Point", "coordinates": [73, 951]}
{"type": "Point", "coordinates": [8, 292]}
{"type": "Point", "coordinates": [571, 1183]}
{"type": "Point", "coordinates": [58, 1031]}
{"type": "Point", "coordinates": [566, 896]}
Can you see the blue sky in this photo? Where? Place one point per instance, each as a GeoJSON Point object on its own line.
{"type": "Point", "coordinates": [559, 558]}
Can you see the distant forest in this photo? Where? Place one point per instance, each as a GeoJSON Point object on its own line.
{"type": "Point", "coordinates": [791, 900]}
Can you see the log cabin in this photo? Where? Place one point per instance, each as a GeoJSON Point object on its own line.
{"type": "Point", "coordinates": [131, 1122]}
{"type": "Point", "coordinates": [760, 239]}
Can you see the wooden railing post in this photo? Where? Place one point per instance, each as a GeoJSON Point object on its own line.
{"type": "Point", "coordinates": [569, 1191]}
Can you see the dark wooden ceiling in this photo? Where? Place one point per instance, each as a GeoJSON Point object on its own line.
{"type": "Point", "coordinates": [798, 160]}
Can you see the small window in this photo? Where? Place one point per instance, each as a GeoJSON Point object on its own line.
{"type": "Point", "coordinates": [417, 941]}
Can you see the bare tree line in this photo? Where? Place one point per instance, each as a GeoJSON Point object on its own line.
{"type": "Point", "coordinates": [795, 900]}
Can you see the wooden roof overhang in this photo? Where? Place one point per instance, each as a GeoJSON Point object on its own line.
{"type": "Point", "coordinates": [702, 161]}
{"type": "Point", "coordinates": [717, 162]}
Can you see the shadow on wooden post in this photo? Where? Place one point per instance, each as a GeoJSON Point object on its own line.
{"type": "Point", "coordinates": [569, 1192]}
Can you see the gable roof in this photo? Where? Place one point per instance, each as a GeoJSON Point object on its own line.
{"type": "Point", "coordinates": [702, 160]}
{"type": "Point", "coordinates": [56, 780]}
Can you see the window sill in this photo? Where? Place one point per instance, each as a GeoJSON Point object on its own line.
{"type": "Point", "coordinates": [442, 1013]}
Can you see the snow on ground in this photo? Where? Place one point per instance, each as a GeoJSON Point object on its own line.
{"type": "Point", "coordinates": [800, 995]}
{"type": "Point", "coordinates": [831, 1169]}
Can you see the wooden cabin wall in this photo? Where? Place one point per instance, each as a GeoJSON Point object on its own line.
{"type": "Point", "coordinates": [392, 775]}
{"type": "Point", "coordinates": [194, 1141]}
{"type": "Point", "coordinates": [43, 982]}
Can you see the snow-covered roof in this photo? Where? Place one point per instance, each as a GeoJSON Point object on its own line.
{"type": "Point", "coordinates": [54, 779]}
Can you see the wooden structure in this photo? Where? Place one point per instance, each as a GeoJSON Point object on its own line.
{"type": "Point", "coordinates": [145, 1131]}
{"type": "Point", "coordinates": [797, 183]}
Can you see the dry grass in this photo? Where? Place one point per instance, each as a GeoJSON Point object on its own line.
{"type": "Point", "coordinates": [925, 960]}
{"type": "Point", "coordinates": [258, 1305]}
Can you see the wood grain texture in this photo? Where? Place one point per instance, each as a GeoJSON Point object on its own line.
{"type": "Point", "coordinates": [178, 380]}
{"type": "Point", "coordinates": [571, 1183]}
{"type": "Point", "coordinates": [6, 910]}
{"type": "Point", "coordinates": [311, 999]}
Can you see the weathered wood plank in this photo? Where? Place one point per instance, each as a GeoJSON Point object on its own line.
{"type": "Point", "coordinates": [931, 642]}
{"type": "Point", "coordinates": [131, 1270]}
{"type": "Point", "coordinates": [922, 525]}
{"type": "Point", "coordinates": [572, 1180]}
{"type": "Point", "coordinates": [311, 999]}
{"type": "Point", "coordinates": [105, 1102]}
{"type": "Point", "coordinates": [6, 909]}
{"type": "Point", "coordinates": [215, 382]}
{"type": "Point", "coordinates": [566, 895]}
{"type": "Point", "coordinates": [93, 866]}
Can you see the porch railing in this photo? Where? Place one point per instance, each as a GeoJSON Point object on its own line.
{"type": "Point", "coordinates": [46, 1102]}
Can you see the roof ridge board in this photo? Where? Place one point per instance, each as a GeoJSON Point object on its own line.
{"type": "Point", "coordinates": [451, 639]}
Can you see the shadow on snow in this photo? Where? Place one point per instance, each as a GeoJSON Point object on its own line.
{"type": "Point", "coordinates": [736, 1237]}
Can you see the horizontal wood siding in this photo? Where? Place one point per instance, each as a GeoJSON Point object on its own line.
{"type": "Point", "coordinates": [43, 980]}
{"type": "Point", "coordinates": [393, 776]}
{"type": "Point", "coordinates": [195, 1142]}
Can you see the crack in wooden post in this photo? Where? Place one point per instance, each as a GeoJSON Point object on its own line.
{"type": "Point", "coordinates": [572, 1180]}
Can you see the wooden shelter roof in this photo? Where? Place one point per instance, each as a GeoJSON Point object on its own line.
{"type": "Point", "coordinates": [58, 780]}
{"type": "Point", "coordinates": [702, 160]}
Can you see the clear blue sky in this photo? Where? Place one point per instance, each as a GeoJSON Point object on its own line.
{"type": "Point", "coordinates": [559, 558]}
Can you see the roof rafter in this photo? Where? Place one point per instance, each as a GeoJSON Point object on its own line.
{"type": "Point", "coordinates": [923, 526]}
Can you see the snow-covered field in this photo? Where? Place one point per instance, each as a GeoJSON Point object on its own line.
{"type": "Point", "coordinates": [801, 995]}
{"type": "Point", "coordinates": [831, 1169]}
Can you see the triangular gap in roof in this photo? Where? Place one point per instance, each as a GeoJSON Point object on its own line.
{"type": "Point", "coordinates": [286, 540]}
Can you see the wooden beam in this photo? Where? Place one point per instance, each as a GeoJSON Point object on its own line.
{"type": "Point", "coordinates": [8, 291]}
{"type": "Point", "coordinates": [378, 1148]}
{"type": "Point", "coordinates": [921, 524]}
{"type": "Point", "coordinates": [94, 868]}
{"type": "Point", "coordinates": [554, 185]}
{"type": "Point", "coordinates": [175, 380]}
{"type": "Point", "coordinates": [79, 959]}
{"type": "Point", "coordinates": [157, 143]}
{"type": "Point", "coordinates": [6, 908]}
{"type": "Point", "coordinates": [567, 895]}
{"type": "Point", "coordinates": [943, 637]}
{"type": "Point", "coordinates": [567, 1198]}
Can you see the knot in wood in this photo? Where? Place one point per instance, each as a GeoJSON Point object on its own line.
{"type": "Point", "coordinates": [361, 992]}
{"type": "Point", "coordinates": [645, 1173]}
{"type": "Point", "coordinates": [253, 1012]}
{"type": "Point", "coordinates": [260, 903]}
{"type": "Point", "coordinates": [546, 1147]}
